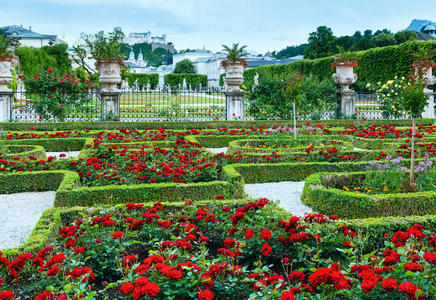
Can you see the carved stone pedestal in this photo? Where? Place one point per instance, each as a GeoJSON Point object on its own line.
{"type": "Point", "coordinates": [110, 104]}
{"type": "Point", "coordinates": [234, 105]}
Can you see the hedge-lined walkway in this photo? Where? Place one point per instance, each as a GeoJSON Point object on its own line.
{"type": "Point", "coordinates": [287, 192]}
{"type": "Point", "coordinates": [20, 213]}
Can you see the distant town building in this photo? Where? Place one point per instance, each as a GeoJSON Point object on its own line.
{"type": "Point", "coordinates": [136, 65]}
{"type": "Point", "coordinates": [425, 29]}
{"type": "Point", "coordinates": [29, 38]}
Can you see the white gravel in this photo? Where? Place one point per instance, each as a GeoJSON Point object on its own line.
{"type": "Point", "coordinates": [70, 154]}
{"type": "Point", "coordinates": [217, 150]}
{"type": "Point", "coordinates": [287, 192]}
{"type": "Point", "coordinates": [20, 213]}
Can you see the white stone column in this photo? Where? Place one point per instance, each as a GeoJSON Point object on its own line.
{"type": "Point", "coordinates": [234, 105]}
{"type": "Point", "coordinates": [429, 109]}
{"type": "Point", "coordinates": [5, 106]}
{"type": "Point", "coordinates": [5, 92]}
{"type": "Point", "coordinates": [430, 80]}
{"type": "Point", "coordinates": [110, 103]}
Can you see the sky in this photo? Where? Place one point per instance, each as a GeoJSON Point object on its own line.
{"type": "Point", "coordinates": [262, 25]}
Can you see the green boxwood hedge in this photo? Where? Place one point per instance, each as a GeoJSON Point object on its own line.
{"type": "Point", "coordinates": [291, 171]}
{"type": "Point", "coordinates": [372, 230]}
{"type": "Point", "coordinates": [320, 193]}
{"type": "Point", "coordinates": [37, 181]}
{"type": "Point", "coordinates": [53, 144]}
{"type": "Point", "coordinates": [24, 151]}
{"type": "Point", "coordinates": [192, 80]}
{"type": "Point", "coordinates": [143, 80]}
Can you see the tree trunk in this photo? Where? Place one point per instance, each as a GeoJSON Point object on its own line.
{"type": "Point", "coordinates": [295, 120]}
{"type": "Point", "coordinates": [412, 155]}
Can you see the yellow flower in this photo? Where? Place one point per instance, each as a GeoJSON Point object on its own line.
{"type": "Point", "coordinates": [347, 189]}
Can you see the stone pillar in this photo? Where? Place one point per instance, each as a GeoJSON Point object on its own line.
{"type": "Point", "coordinates": [5, 92]}
{"type": "Point", "coordinates": [110, 104]}
{"type": "Point", "coordinates": [234, 105]}
{"type": "Point", "coordinates": [109, 93]}
{"type": "Point", "coordinates": [348, 100]}
{"type": "Point", "coordinates": [5, 106]}
{"type": "Point", "coordinates": [429, 108]}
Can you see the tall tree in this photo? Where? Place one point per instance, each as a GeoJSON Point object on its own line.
{"type": "Point", "coordinates": [184, 66]}
{"type": "Point", "coordinates": [367, 34]}
{"type": "Point", "coordinates": [405, 36]}
{"type": "Point", "coordinates": [321, 43]}
{"type": "Point", "coordinates": [383, 40]}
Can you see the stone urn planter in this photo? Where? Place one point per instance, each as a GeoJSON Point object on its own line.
{"type": "Point", "coordinates": [345, 76]}
{"type": "Point", "coordinates": [5, 73]}
{"type": "Point", "coordinates": [234, 76]}
{"type": "Point", "coordinates": [110, 75]}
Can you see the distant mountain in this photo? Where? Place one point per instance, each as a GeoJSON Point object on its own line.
{"type": "Point", "coordinates": [416, 24]}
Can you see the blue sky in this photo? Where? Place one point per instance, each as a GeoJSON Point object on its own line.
{"type": "Point", "coordinates": [262, 25]}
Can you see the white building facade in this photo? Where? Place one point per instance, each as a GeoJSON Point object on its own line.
{"type": "Point", "coordinates": [29, 38]}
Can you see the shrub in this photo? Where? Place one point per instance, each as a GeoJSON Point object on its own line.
{"type": "Point", "coordinates": [142, 80]}
{"type": "Point", "coordinates": [175, 81]}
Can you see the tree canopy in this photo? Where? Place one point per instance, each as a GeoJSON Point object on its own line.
{"type": "Point", "coordinates": [184, 67]}
{"type": "Point", "coordinates": [323, 42]}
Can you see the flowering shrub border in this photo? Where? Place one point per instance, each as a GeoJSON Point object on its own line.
{"type": "Point", "coordinates": [109, 125]}
{"type": "Point", "coordinates": [349, 205]}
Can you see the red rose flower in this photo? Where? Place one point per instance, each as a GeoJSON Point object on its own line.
{"type": "Point", "coordinates": [117, 235]}
{"type": "Point", "coordinates": [295, 275]}
{"type": "Point", "coordinates": [205, 295]}
{"type": "Point", "coordinates": [414, 267]}
{"type": "Point", "coordinates": [389, 284]}
{"type": "Point", "coordinates": [266, 249]}
{"type": "Point", "coordinates": [249, 234]}
{"type": "Point", "coordinates": [265, 234]}
{"type": "Point", "coordinates": [408, 288]}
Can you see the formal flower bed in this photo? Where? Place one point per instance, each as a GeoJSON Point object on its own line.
{"type": "Point", "coordinates": [389, 176]}
{"type": "Point", "coordinates": [388, 132]}
{"type": "Point", "coordinates": [215, 252]}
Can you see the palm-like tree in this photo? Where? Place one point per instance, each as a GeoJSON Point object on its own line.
{"type": "Point", "coordinates": [234, 53]}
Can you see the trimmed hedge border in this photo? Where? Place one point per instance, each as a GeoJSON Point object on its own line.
{"type": "Point", "coordinates": [374, 229]}
{"type": "Point", "coordinates": [70, 193]}
{"type": "Point", "coordinates": [20, 126]}
{"type": "Point", "coordinates": [53, 144]}
{"type": "Point", "coordinates": [329, 200]}
{"type": "Point", "coordinates": [290, 171]}
{"type": "Point", "coordinates": [24, 151]}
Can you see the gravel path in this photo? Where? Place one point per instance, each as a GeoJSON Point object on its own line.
{"type": "Point", "coordinates": [217, 150]}
{"type": "Point", "coordinates": [20, 213]}
{"type": "Point", "coordinates": [288, 192]}
{"type": "Point", "coordinates": [68, 154]}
